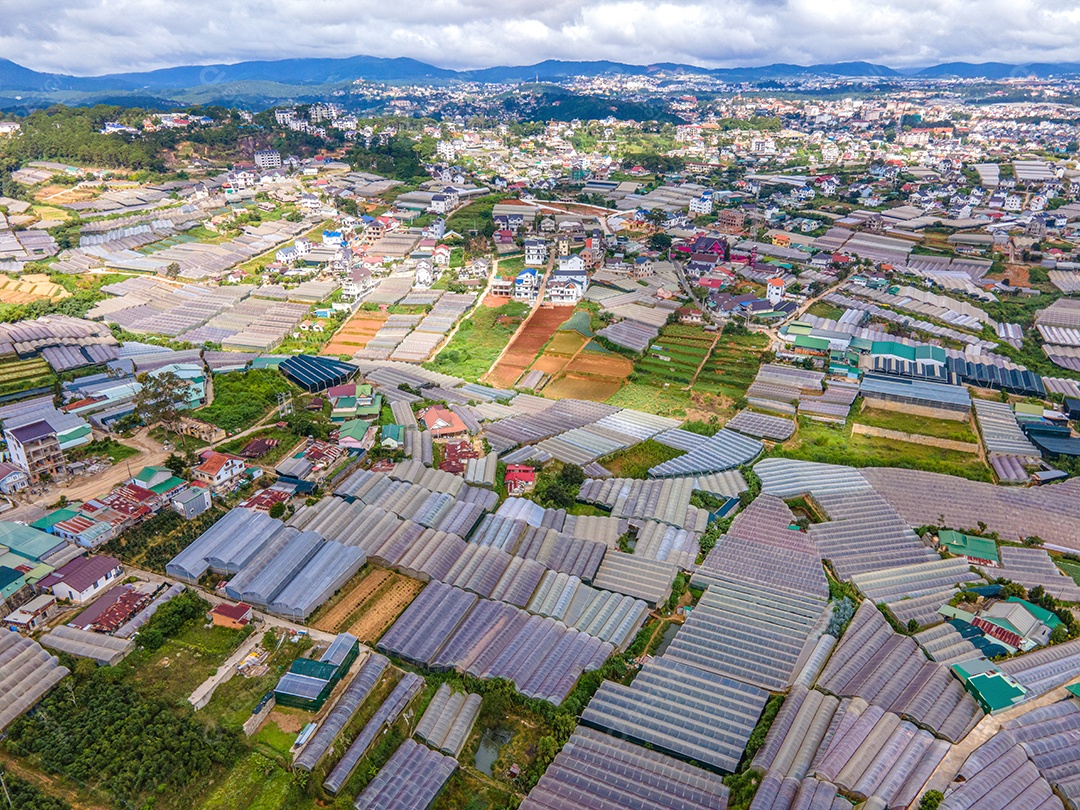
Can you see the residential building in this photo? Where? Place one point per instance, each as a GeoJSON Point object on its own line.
{"type": "Point", "coordinates": [442, 422]}
{"type": "Point", "coordinates": [536, 252]}
{"type": "Point", "coordinates": [977, 550]}
{"type": "Point", "coordinates": [33, 614]}
{"type": "Point", "coordinates": [36, 449]}
{"type": "Point", "coordinates": [774, 291]}
{"type": "Point", "coordinates": [190, 502]}
{"type": "Point", "coordinates": [519, 479]}
{"type": "Point", "coordinates": [393, 437]}
{"type": "Point", "coordinates": [219, 471]}
{"type": "Point", "coordinates": [83, 578]}
{"type": "Point", "coordinates": [268, 159]}
{"type": "Point", "coordinates": [235, 617]}
{"type": "Point", "coordinates": [12, 478]}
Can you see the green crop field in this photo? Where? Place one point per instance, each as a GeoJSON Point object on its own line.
{"type": "Point", "coordinates": [478, 341]}
{"type": "Point", "coordinates": [919, 425]}
{"type": "Point", "coordinates": [732, 365]}
{"type": "Point", "coordinates": [24, 375]}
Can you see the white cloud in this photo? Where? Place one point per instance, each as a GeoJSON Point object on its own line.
{"type": "Point", "coordinates": [86, 37]}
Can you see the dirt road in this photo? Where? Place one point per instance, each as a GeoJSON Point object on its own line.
{"type": "Point", "coordinates": [82, 488]}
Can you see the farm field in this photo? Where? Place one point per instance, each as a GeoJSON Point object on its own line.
{"type": "Point", "coordinates": [355, 333]}
{"type": "Point", "coordinates": [374, 602]}
{"type": "Point", "coordinates": [835, 444]}
{"type": "Point", "coordinates": [478, 340]}
{"type": "Point", "coordinates": [732, 366]}
{"type": "Point", "coordinates": [915, 424]}
{"type": "Point", "coordinates": [526, 343]}
{"type": "Point", "coordinates": [595, 374]}
{"type": "Point", "coordinates": [30, 287]}
{"type": "Point", "coordinates": [675, 355]}
{"type": "Point", "coordinates": [17, 376]}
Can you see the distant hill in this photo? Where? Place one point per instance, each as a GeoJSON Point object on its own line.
{"type": "Point", "coordinates": [15, 78]}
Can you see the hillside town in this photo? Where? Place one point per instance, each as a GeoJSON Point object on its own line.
{"type": "Point", "coordinates": [421, 454]}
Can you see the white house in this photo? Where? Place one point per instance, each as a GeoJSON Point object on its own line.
{"type": "Point", "coordinates": [774, 290]}
{"type": "Point", "coordinates": [536, 252]}
{"type": "Point", "coordinates": [82, 578]}
{"type": "Point", "coordinates": [425, 274]}
{"type": "Point", "coordinates": [701, 206]}
{"type": "Point", "coordinates": [219, 470]}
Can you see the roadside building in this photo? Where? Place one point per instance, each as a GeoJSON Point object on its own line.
{"type": "Point", "coordinates": [235, 617]}
{"type": "Point", "coordinates": [83, 578]}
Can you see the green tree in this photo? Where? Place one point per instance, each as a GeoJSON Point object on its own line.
{"type": "Point", "coordinates": [931, 800]}
{"type": "Point", "coordinates": [159, 400]}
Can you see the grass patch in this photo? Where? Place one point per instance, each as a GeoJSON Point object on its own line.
{"type": "Point", "coordinates": [286, 439]}
{"type": "Point", "coordinates": [1069, 568]}
{"type": "Point", "coordinates": [835, 444]}
{"type": "Point", "coordinates": [242, 398]}
{"type": "Point", "coordinates": [920, 425]}
{"type": "Point", "coordinates": [635, 462]}
{"type": "Point", "coordinates": [172, 672]}
{"type": "Point", "coordinates": [823, 309]}
{"type": "Point", "coordinates": [255, 783]}
{"type": "Point", "coordinates": [104, 448]}
{"type": "Point", "coordinates": [478, 341]}
{"type": "Point", "coordinates": [650, 398]}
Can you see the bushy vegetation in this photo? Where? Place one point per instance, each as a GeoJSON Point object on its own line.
{"type": "Point", "coordinates": [478, 341]}
{"type": "Point", "coordinates": [151, 544]}
{"type": "Point", "coordinates": [103, 734]}
{"type": "Point", "coordinates": [242, 398]}
{"type": "Point", "coordinates": [843, 611]}
{"type": "Point", "coordinates": [25, 796]}
{"type": "Point", "coordinates": [558, 489]}
{"type": "Point", "coordinates": [170, 618]}
{"type": "Point", "coordinates": [398, 158]}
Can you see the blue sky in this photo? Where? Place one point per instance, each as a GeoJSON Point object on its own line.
{"type": "Point", "coordinates": [87, 37]}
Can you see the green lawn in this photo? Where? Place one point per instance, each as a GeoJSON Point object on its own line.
{"type": "Point", "coordinates": [635, 462]}
{"type": "Point", "coordinates": [256, 783]}
{"type": "Point", "coordinates": [835, 444]}
{"type": "Point", "coordinates": [103, 448]}
{"type": "Point", "coordinates": [242, 398]}
{"type": "Point", "coordinates": [919, 425]}
{"type": "Point", "coordinates": [478, 341]}
{"type": "Point", "coordinates": [1070, 568]}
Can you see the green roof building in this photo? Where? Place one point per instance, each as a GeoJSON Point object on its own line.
{"type": "Point", "coordinates": [158, 480]}
{"type": "Point", "coordinates": [977, 550]}
{"type": "Point", "coordinates": [30, 544]}
{"type": "Point", "coordinates": [901, 351]}
{"type": "Point", "coordinates": [993, 689]}
{"type": "Point", "coordinates": [11, 582]}
{"type": "Point", "coordinates": [814, 345]}
{"type": "Point", "coordinates": [57, 515]}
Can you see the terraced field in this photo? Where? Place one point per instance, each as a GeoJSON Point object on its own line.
{"type": "Point", "coordinates": [732, 366]}
{"type": "Point", "coordinates": [17, 376]}
{"type": "Point", "coordinates": [674, 357]}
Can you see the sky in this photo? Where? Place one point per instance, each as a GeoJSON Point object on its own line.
{"type": "Point", "coordinates": [89, 37]}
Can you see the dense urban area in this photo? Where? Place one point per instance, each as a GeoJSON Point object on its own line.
{"type": "Point", "coordinates": [649, 439]}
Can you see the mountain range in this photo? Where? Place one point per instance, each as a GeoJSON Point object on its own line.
{"type": "Point", "coordinates": [15, 77]}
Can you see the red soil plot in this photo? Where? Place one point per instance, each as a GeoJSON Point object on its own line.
{"type": "Point", "coordinates": [529, 339]}
{"type": "Point", "coordinates": [355, 333]}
